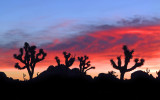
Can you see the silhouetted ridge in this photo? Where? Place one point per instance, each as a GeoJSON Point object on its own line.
{"type": "Point", "coordinates": [65, 72]}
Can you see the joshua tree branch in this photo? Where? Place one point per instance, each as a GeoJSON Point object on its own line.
{"type": "Point", "coordinates": [19, 67]}
{"type": "Point", "coordinates": [41, 52]}
{"type": "Point", "coordinates": [119, 61]}
{"type": "Point", "coordinates": [84, 65]}
{"type": "Point", "coordinates": [19, 57]}
{"type": "Point", "coordinates": [137, 64]}
{"type": "Point", "coordinates": [89, 69]}
{"type": "Point", "coordinates": [114, 64]}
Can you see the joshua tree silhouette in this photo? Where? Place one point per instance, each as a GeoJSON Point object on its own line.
{"type": "Point", "coordinates": [128, 57]}
{"type": "Point", "coordinates": [29, 58]}
{"type": "Point", "coordinates": [84, 64]}
{"type": "Point", "coordinates": [68, 60]}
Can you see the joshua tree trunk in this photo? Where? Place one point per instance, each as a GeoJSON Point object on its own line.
{"type": "Point", "coordinates": [122, 75]}
{"type": "Point", "coordinates": [31, 74]}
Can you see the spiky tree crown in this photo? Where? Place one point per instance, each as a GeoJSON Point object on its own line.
{"type": "Point", "coordinates": [29, 58]}
{"type": "Point", "coordinates": [84, 64]}
{"type": "Point", "coordinates": [68, 60]}
{"type": "Point", "coordinates": [128, 56]}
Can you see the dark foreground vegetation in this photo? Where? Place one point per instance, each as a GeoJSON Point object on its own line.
{"type": "Point", "coordinates": [62, 82]}
{"type": "Point", "coordinates": [72, 83]}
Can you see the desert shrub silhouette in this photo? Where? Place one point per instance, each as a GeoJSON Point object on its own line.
{"type": "Point", "coordinates": [107, 76]}
{"type": "Point", "coordinates": [128, 56]}
{"type": "Point", "coordinates": [84, 65]}
{"type": "Point", "coordinates": [29, 58]}
{"type": "Point", "coordinates": [158, 74]}
{"type": "Point", "coordinates": [24, 75]}
{"type": "Point", "coordinates": [112, 74]}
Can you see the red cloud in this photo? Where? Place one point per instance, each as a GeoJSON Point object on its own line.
{"type": "Point", "coordinates": [139, 38]}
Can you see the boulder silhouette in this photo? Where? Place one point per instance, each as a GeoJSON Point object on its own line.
{"type": "Point", "coordinates": [140, 75]}
{"type": "Point", "coordinates": [63, 72]}
{"type": "Point", "coordinates": [3, 76]}
{"type": "Point", "coordinates": [60, 69]}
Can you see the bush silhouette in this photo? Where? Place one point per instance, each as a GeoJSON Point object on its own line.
{"type": "Point", "coordinates": [147, 70]}
{"type": "Point", "coordinates": [84, 65]}
{"type": "Point", "coordinates": [112, 74]}
{"type": "Point", "coordinates": [24, 75]}
{"type": "Point", "coordinates": [128, 56]}
{"type": "Point", "coordinates": [109, 76]}
{"type": "Point", "coordinates": [29, 58]}
{"type": "Point", "coordinates": [158, 74]}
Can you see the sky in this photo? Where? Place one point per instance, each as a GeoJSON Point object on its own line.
{"type": "Point", "coordinates": [97, 28]}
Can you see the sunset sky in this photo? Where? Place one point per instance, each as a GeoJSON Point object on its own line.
{"type": "Point", "coordinates": [97, 28]}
